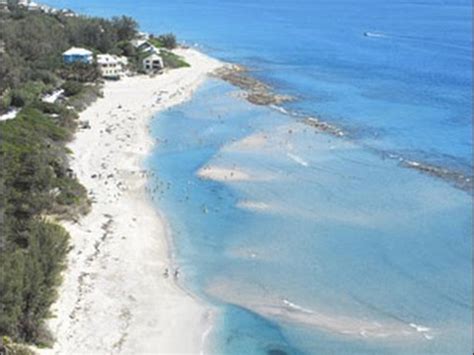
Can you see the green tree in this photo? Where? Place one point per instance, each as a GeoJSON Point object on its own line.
{"type": "Point", "coordinates": [168, 40]}
{"type": "Point", "coordinates": [12, 271]}
{"type": "Point", "coordinates": [125, 27]}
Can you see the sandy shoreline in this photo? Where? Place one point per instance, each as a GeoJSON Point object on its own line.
{"type": "Point", "coordinates": [115, 297]}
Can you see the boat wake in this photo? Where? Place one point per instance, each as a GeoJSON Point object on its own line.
{"type": "Point", "coordinates": [424, 40]}
{"type": "Point", "coordinates": [375, 34]}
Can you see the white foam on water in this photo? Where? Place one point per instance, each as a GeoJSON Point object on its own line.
{"type": "Point", "coordinates": [204, 338]}
{"type": "Point", "coordinates": [297, 307]}
{"type": "Point", "coordinates": [419, 328]}
{"type": "Point", "coordinates": [253, 205]}
{"type": "Point", "coordinates": [280, 109]}
{"type": "Point", "coordinates": [297, 159]}
{"type": "Point", "coordinates": [413, 163]}
{"type": "Point", "coordinates": [422, 329]}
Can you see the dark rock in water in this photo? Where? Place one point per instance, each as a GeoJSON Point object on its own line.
{"type": "Point", "coordinates": [323, 126]}
{"type": "Point", "coordinates": [259, 93]}
{"type": "Point", "coordinates": [458, 179]}
{"type": "Point", "coordinates": [276, 352]}
{"type": "Point", "coordinates": [256, 91]}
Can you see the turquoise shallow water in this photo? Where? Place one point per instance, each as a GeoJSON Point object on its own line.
{"type": "Point", "coordinates": [328, 248]}
{"type": "Point", "coordinates": [351, 253]}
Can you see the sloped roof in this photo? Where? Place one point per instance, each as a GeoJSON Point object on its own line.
{"type": "Point", "coordinates": [107, 59]}
{"type": "Point", "coordinates": [139, 42]}
{"type": "Point", "coordinates": [153, 56]}
{"type": "Point", "coordinates": [77, 51]}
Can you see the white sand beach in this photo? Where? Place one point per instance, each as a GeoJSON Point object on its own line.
{"type": "Point", "coordinates": [116, 296]}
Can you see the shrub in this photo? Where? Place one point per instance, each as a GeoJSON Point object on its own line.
{"type": "Point", "coordinates": [60, 114]}
{"type": "Point", "coordinates": [48, 107]}
{"type": "Point", "coordinates": [19, 98]}
{"type": "Point", "coordinates": [28, 93]}
{"type": "Point", "coordinates": [172, 60]}
{"type": "Point", "coordinates": [33, 123]}
{"type": "Point", "coordinates": [72, 88]}
{"type": "Point", "coordinates": [168, 41]}
{"type": "Point", "coordinates": [5, 100]}
{"type": "Point", "coordinates": [29, 278]}
{"type": "Point", "coordinates": [7, 346]}
{"type": "Point", "coordinates": [46, 76]}
{"type": "Point", "coordinates": [89, 94]}
{"type": "Point", "coordinates": [125, 28]}
{"type": "Point", "coordinates": [33, 162]}
{"type": "Point", "coordinates": [156, 42]}
{"type": "Point", "coordinates": [127, 49]}
{"type": "Point", "coordinates": [80, 72]}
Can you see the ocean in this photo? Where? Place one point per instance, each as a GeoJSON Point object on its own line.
{"type": "Point", "coordinates": [319, 244]}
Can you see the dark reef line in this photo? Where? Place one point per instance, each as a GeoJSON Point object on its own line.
{"type": "Point", "coordinates": [260, 93]}
{"type": "Point", "coordinates": [255, 91]}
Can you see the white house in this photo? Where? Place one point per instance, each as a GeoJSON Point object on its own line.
{"type": "Point", "coordinates": [137, 42]}
{"type": "Point", "coordinates": [144, 46]}
{"type": "Point", "coordinates": [33, 6]}
{"type": "Point", "coordinates": [143, 35]}
{"type": "Point", "coordinates": [111, 66]}
{"type": "Point", "coordinates": [153, 63]}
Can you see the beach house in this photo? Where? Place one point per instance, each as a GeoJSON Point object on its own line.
{"type": "Point", "coordinates": [143, 36]}
{"type": "Point", "coordinates": [78, 55]}
{"type": "Point", "coordinates": [4, 6]}
{"type": "Point", "coordinates": [34, 6]}
{"type": "Point", "coordinates": [145, 46]}
{"type": "Point", "coordinates": [153, 63]}
{"type": "Point", "coordinates": [111, 66]}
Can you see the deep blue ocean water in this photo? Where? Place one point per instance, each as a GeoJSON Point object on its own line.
{"type": "Point", "coordinates": [350, 253]}
{"type": "Point", "coordinates": [398, 73]}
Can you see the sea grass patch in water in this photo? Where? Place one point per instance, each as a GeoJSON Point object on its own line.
{"type": "Point", "coordinates": [276, 352]}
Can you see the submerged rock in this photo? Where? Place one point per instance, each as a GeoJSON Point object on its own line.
{"type": "Point", "coordinates": [323, 126]}
{"type": "Point", "coordinates": [276, 352]}
{"type": "Point", "coordinates": [256, 91]}
{"type": "Point", "coordinates": [458, 179]}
